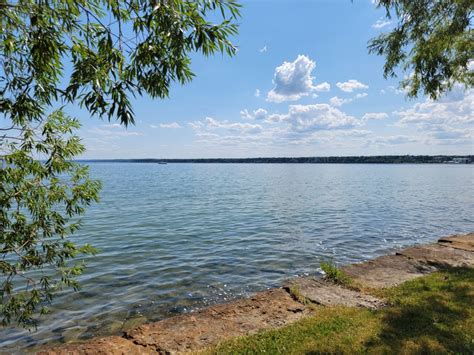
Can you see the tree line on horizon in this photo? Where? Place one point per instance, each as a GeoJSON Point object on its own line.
{"type": "Point", "coordinates": [362, 159]}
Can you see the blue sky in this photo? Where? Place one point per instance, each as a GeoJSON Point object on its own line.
{"type": "Point", "coordinates": [302, 84]}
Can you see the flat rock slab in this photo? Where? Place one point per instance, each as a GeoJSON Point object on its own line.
{"type": "Point", "coordinates": [463, 242]}
{"type": "Point", "coordinates": [329, 294]}
{"type": "Point", "coordinates": [386, 271]}
{"type": "Point", "coordinates": [110, 345]}
{"type": "Point", "coordinates": [276, 307]}
{"type": "Point", "coordinates": [270, 309]}
{"type": "Point", "coordinates": [439, 256]}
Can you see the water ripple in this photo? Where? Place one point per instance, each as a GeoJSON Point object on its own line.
{"type": "Point", "coordinates": [174, 238]}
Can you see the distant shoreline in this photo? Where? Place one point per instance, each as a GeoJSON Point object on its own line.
{"type": "Point", "coordinates": [381, 159]}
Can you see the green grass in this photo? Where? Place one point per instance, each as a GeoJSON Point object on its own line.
{"type": "Point", "coordinates": [296, 294]}
{"type": "Point", "coordinates": [428, 315]}
{"type": "Point", "coordinates": [334, 274]}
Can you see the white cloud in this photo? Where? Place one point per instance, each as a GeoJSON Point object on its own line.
{"type": "Point", "coordinates": [172, 125]}
{"type": "Point", "coordinates": [455, 108]}
{"type": "Point", "coordinates": [325, 125]}
{"type": "Point", "coordinates": [243, 127]}
{"type": "Point", "coordinates": [443, 133]}
{"type": "Point", "coordinates": [381, 23]}
{"type": "Point", "coordinates": [210, 123]}
{"type": "Point", "coordinates": [360, 96]}
{"type": "Point", "coordinates": [351, 85]}
{"type": "Point", "coordinates": [470, 65]}
{"type": "Point", "coordinates": [447, 121]}
{"type": "Point", "coordinates": [257, 93]}
{"type": "Point", "coordinates": [338, 101]}
{"type": "Point", "coordinates": [374, 116]}
{"type": "Point", "coordinates": [318, 117]}
{"type": "Point", "coordinates": [112, 125]}
{"type": "Point", "coordinates": [307, 117]}
{"type": "Point", "coordinates": [293, 80]}
{"type": "Point", "coordinates": [325, 86]}
{"type": "Point", "coordinates": [113, 131]}
{"type": "Point", "coordinates": [263, 49]}
{"type": "Point", "coordinates": [258, 114]}
{"type": "Point", "coordinates": [398, 91]}
{"type": "Point", "coordinates": [300, 125]}
{"type": "Point", "coordinates": [206, 135]}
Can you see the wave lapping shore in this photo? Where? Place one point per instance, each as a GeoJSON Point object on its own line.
{"type": "Point", "coordinates": [278, 307]}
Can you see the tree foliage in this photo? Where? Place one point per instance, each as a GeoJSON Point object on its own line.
{"type": "Point", "coordinates": [97, 54]}
{"type": "Point", "coordinates": [433, 42]}
{"type": "Point", "coordinates": [40, 201]}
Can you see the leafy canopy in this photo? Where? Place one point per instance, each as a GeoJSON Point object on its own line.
{"type": "Point", "coordinates": [116, 50]}
{"type": "Point", "coordinates": [433, 42]}
{"type": "Point", "coordinates": [39, 201]}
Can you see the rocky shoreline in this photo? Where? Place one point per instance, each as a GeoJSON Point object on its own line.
{"type": "Point", "coordinates": [280, 306]}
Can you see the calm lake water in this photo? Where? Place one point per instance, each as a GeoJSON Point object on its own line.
{"type": "Point", "coordinates": [177, 237]}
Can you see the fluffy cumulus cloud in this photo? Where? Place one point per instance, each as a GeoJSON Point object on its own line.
{"type": "Point", "coordinates": [351, 85]}
{"type": "Point", "coordinates": [293, 80]}
{"type": "Point", "coordinates": [258, 114]}
{"type": "Point", "coordinates": [441, 123]}
{"type": "Point", "coordinates": [456, 107]}
{"type": "Point", "coordinates": [338, 101]}
{"type": "Point", "coordinates": [300, 125]}
{"type": "Point", "coordinates": [446, 121]}
{"type": "Point", "coordinates": [257, 93]}
{"type": "Point", "coordinates": [323, 87]}
{"type": "Point", "coordinates": [317, 117]}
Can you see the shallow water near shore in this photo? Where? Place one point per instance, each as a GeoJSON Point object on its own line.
{"type": "Point", "coordinates": [177, 237]}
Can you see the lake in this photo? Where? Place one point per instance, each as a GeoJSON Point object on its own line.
{"type": "Point", "coordinates": [177, 237]}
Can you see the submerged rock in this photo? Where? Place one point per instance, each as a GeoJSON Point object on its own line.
{"type": "Point", "coordinates": [273, 308]}
{"type": "Point", "coordinates": [73, 334]}
{"type": "Point", "coordinates": [269, 309]}
{"type": "Point", "coordinates": [133, 322]}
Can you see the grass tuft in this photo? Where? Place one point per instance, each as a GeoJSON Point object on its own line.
{"type": "Point", "coordinates": [335, 274]}
{"type": "Point", "coordinates": [298, 296]}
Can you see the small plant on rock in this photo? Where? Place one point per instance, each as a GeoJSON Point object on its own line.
{"type": "Point", "coordinates": [335, 274]}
